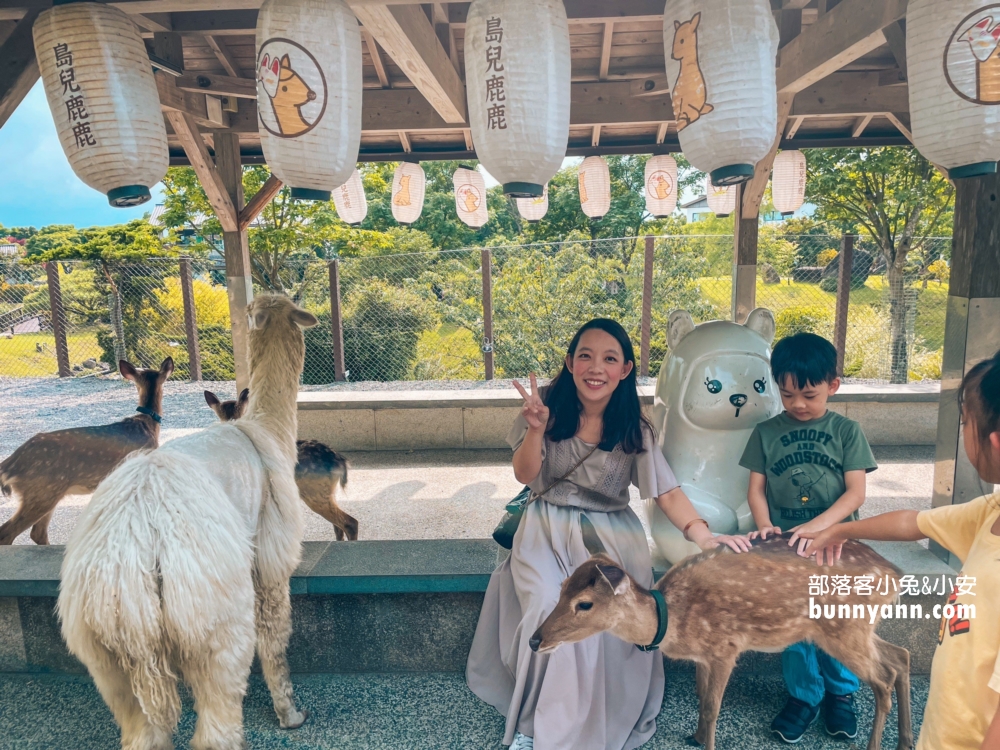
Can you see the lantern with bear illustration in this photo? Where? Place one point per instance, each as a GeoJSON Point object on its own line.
{"type": "Point", "coordinates": [594, 179]}
{"type": "Point", "coordinates": [721, 198]}
{"type": "Point", "coordinates": [408, 185]}
{"type": "Point", "coordinates": [720, 62]}
{"type": "Point", "coordinates": [103, 98]}
{"type": "Point", "coordinates": [953, 72]}
{"type": "Point", "coordinates": [470, 196]}
{"type": "Point", "coordinates": [517, 63]}
{"type": "Point", "coordinates": [788, 182]}
{"type": "Point", "coordinates": [661, 185]}
{"type": "Point", "coordinates": [349, 200]}
{"type": "Point", "coordinates": [309, 93]}
{"type": "Point", "coordinates": [534, 209]}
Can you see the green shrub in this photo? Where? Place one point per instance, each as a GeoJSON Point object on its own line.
{"type": "Point", "coordinates": [809, 319]}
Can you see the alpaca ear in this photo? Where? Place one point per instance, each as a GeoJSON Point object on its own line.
{"type": "Point", "coordinates": [244, 396]}
{"type": "Point", "coordinates": [211, 399]}
{"type": "Point", "coordinates": [166, 367]}
{"type": "Point", "coordinates": [259, 318]}
{"type": "Point", "coordinates": [127, 369]}
{"type": "Point", "coordinates": [761, 320]}
{"type": "Point", "coordinates": [615, 578]}
{"type": "Point", "coordinates": [679, 324]}
{"type": "Point", "coordinates": [303, 319]}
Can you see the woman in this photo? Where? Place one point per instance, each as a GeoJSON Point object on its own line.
{"type": "Point", "coordinates": [587, 439]}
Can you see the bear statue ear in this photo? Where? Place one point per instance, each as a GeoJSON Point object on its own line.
{"type": "Point", "coordinates": [761, 320]}
{"type": "Point", "coordinates": [679, 324]}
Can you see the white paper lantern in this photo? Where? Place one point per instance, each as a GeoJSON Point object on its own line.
{"type": "Point", "coordinates": [720, 60]}
{"type": "Point", "coordinates": [721, 198]}
{"type": "Point", "coordinates": [103, 98]}
{"type": "Point", "coordinates": [788, 182]}
{"type": "Point", "coordinates": [517, 63]}
{"type": "Point", "coordinates": [533, 209]}
{"type": "Point", "coordinates": [594, 179]}
{"type": "Point", "coordinates": [953, 71]}
{"type": "Point", "coordinates": [470, 196]}
{"type": "Point", "coordinates": [349, 200]}
{"type": "Point", "coordinates": [661, 185]}
{"type": "Point", "coordinates": [309, 93]}
{"type": "Point", "coordinates": [408, 185]}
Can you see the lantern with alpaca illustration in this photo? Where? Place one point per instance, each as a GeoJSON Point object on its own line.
{"type": "Point", "coordinates": [661, 185]}
{"type": "Point", "coordinates": [309, 93]}
{"type": "Point", "coordinates": [953, 73]}
{"type": "Point", "coordinates": [350, 201]}
{"type": "Point", "coordinates": [594, 180]}
{"type": "Point", "coordinates": [408, 185]}
{"type": "Point", "coordinates": [518, 77]}
{"type": "Point", "coordinates": [103, 98]}
{"type": "Point", "coordinates": [788, 182]}
{"type": "Point", "coordinates": [720, 62]}
{"type": "Point", "coordinates": [470, 196]}
{"type": "Point", "coordinates": [533, 209]}
{"type": "Point", "coordinates": [721, 198]}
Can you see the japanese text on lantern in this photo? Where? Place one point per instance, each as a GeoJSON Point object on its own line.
{"type": "Point", "coordinates": [76, 107]}
{"type": "Point", "coordinates": [495, 94]}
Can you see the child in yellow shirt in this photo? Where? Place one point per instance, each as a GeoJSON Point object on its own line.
{"type": "Point", "coordinates": [961, 712]}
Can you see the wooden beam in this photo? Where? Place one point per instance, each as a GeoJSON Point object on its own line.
{"type": "Point", "coordinates": [609, 34]}
{"type": "Point", "coordinates": [901, 122]}
{"type": "Point", "coordinates": [861, 124]}
{"type": "Point", "coordinates": [895, 37]}
{"type": "Point", "coordinates": [850, 95]}
{"type": "Point", "coordinates": [661, 133]}
{"type": "Point", "coordinates": [376, 56]}
{"type": "Point", "coordinates": [789, 25]}
{"type": "Point", "coordinates": [404, 142]}
{"type": "Point", "coordinates": [796, 123]}
{"type": "Point", "coordinates": [259, 201]}
{"type": "Point", "coordinates": [652, 85]}
{"type": "Point", "coordinates": [186, 129]}
{"type": "Point", "coordinates": [210, 83]}
{"type": "Point", "coordinates": [611, 102]}
{"type": "Point", "coordinates": [468, 138]}
{"type": "Point", "coordinates": [753, 190]}
{"type": "Point", "coordinates": [18, 66]}
{"type": "Point", "coordinates": [155, 22]}
{"type": "Point", "coordinates": [794, 4]}
{"type": "Point", "coordinates": [409, 39]}
{"type": "Point", "coordinates": [595, 136]}
{"type": "Point", "coordinates": [589, 11]}
{"type": "Point", "coordinates": [221, 50]}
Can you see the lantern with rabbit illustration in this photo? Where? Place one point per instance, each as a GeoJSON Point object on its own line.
{"type": "Point", "coordinates": [661, 185]}
{"type": "Point", "coordinates": [470, 196]}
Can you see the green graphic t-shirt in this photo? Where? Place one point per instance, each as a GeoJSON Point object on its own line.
{"type": "Point", "coordinates": [804, 463]}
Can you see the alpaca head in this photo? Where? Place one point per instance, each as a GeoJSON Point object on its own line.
{"type": "Point", "coordinates": [276, 339]}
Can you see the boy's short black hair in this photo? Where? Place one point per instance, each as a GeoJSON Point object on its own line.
{"type": "Point", "coordinates": [808, 358]}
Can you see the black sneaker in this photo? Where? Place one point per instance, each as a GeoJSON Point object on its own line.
{"type": "Point", "coordinates": [793, 721]}
{"type": "Point", "coordinates": [839, 716]}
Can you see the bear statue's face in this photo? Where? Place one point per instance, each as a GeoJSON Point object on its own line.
{"type": "Point", "coordinates": [730, 391]}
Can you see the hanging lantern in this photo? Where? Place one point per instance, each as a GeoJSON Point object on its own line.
{"type": "Point", "coordinates": [309, 93]}
{"type": "Point", "coordinates": [408, 183]}
{"type": "Point", "coordinates": [594, 178]}
{"type": "Point", "coordinates": [517, 62]}
{"type": "Point", "coordinates": [953, 72]}
{"type": "Point", "coordinates": [721, 198]}
{"type": "Point", "coordinates": [720, 59]}
{"type": "Point", "coordinates": [788, 182]}
{"type": "Point", "coordinates": [350, 201]}
{"type": "Point", "coordinates": [533, 209]}
{"type": "Point", "coordinates": [661, 185]}
{"type": "Point", "coordinates": [470, 196]}
{"type": "Point", "coordinates": [103, 98]}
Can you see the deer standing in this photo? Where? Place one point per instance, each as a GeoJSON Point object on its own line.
{"type": "Point", "coordinates": [51, 465]}
{"type": "Point", "coordinates": [689, 96]}
{"type": "Point", "coordinates": [721, 604]}
{"type": "Point", "coordinates": [402, 197]}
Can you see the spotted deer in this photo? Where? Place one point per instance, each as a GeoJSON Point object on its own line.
{"type": "Point", "coordinates": [318, 472]}
{"type": "Point", "coordinates": [721, 604]}
{"type": "Point", "coordinates": [51, 465]}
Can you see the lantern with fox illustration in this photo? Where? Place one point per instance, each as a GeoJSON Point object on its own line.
{"type": "Point", "coordinates": [408, 185]}
{"type": "Point", "coordinates": [309, 93]}
{"type": "Point", "coordinates": [103, 98]}
{"type": "Point", "coordinates": [953, 71]}
{"type": "Point", "coordinates": [594, 180]}
{"type": "Point", "coordinates": [470, 196]}
{"type": "Point", "coordinates": [661, 185]}
{"type": "Point", "coordinates": [720, 62]}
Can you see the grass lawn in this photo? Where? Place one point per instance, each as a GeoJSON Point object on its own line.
{"type": "Point", "coordinates": [20, 358]}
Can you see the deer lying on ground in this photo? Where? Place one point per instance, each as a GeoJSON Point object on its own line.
{"type": "Point", "coordinates": [318, 471]}
{"type": "Point", "coordinates": [51, 465]}
{"type": "Point", "coordinates": [721, 604]}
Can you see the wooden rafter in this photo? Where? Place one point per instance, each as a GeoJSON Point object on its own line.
{"type": "Point", "coordinates": [609, 33]}
{"type": "Point", "coordinates": [661, 132]}
{"type": "Point", "coordinates": [221, 50]}
{"type": "Point", "coordinates": [259, 201]}
{"type": "Point", "coordinates": [376, 57]}
{"type": "Point", "coordinates": [595, 136]}
{"type": "Point", "coordinates": [796, 123]}
{"type": "Point", "coordinates": [186, 129]}
{"type": "Point", "coordinates": [404, 142]}
{"type": "Point", "coordinates": [860, 124]}
{"type": "Point", "coordinates": [209, 83]}
{"type": "Point", "coordinates": [895, 37]}
{"type": "Point", "coordinates": [18, 66]}
{"type": "Point", "coordinates": [900, 121]}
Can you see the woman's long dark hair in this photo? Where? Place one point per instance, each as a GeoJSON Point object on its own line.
{"type": "Point", "coordinates": [623, 417]}
{"type": "Point", "coordinates": [980, 391]}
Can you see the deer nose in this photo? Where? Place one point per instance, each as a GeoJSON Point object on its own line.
{"type": "Point", "coordinates": [311, 96]}
{"type": "Point", "coordinates": [738, 399]}
{"type": "Point", "coordinates": [535, 642]}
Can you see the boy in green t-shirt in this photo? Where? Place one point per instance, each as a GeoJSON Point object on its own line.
{"type": "Point", "coordinates": [807, 472]}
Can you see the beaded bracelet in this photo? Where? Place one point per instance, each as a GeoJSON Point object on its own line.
{"type": "Point", "coordinates": [692, 523]}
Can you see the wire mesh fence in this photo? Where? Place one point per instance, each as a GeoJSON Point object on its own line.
{"type": "Point", "coordinates": [420, 316]}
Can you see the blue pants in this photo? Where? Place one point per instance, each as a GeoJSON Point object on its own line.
{"type": "Point", "coordinates": [810, 673]}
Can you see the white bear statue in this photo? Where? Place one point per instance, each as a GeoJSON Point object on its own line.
{"type": "Point", "coordinates": [715, 386]}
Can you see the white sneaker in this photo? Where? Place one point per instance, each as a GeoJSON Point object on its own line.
{"type": "Point", "coordinates": [522, 742]}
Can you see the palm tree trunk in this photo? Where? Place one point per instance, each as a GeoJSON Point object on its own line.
{"type": "Point", "coordinates": [899, 363]}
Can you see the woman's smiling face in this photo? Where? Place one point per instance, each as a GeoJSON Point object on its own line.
{"type": "Point", "coordinates": [598, 366]}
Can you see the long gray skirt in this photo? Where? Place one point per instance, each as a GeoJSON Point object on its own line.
{"type": "Point", "coordinates": [599, 694]}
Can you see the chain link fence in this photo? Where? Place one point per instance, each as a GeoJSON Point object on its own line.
{"type": "Point", "coordinates": [421, 316]}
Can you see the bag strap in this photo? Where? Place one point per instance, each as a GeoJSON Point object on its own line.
{"type": "Point", "coordinates": [576, 466]}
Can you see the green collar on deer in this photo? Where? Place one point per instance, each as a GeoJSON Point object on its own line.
{"type": "Point", "coordinates": [661, 616]}
{"type": "Point", "coordinates": [149, 413]}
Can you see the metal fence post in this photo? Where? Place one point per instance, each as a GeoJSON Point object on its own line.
{"type": "Point", "coordinates": [487, 267]}
{"type": "Point", "coordinates": [190, 324]}
{"type": "Point", "coordinates": [117, 325]}
{"type": "Point", "coordinates": [58, 318]}
{"type": "Point", "coordinates": [647, 307]}
{"type": "Point", "coordinates": [844, 278]}
{"type": "Point", "coordinates": [336, 323]}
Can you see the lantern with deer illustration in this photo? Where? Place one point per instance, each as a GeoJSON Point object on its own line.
{"type": "Point", "coordinates": [661, 185]}
{"type": "Point", "coordinates": [534, 209]}
{"type": "Point", "coordinates": [721, 198]}
{"type": "Point", "coordinates": [594, 180]}
{"type": "Point", "coordinates": [470, 196]}
{"type": "Point", "coordinates": [349, 200]}
{"type": "Point", "coordinates": [517, 62]}
{"type": "Point", "coordinates": [103, 98]}
{"type": "Point", "coordinates": [788, 182]}
{"type": "Point", "coordinates": [720, 61]}
{"type": "Point", "coordinates": [309, 93]}
{"type": "Point", "coordinates": [408, 184]}
{"type": "Point", "coordinates": [953, 71]}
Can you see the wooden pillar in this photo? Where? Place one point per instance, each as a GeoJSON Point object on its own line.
{"type": "Point", "coordinates": [487, 268]}
{"type": "Point", "coordinates": [972, 333]}
{"type": "Point", "coordinates": [190, 321]}
{"type": "Point", "coordinates": [236, 245]}
{"type": "Point", "coordinates": [744, 297]}
{"type": "Point", "coordinates": [647, 307]}
{"type": "Point", "coordinates": [336, 323]}
{"type": "Point", "coordinates": [58, 318]}
{"type": "Point", "coordinates": [843, 299]}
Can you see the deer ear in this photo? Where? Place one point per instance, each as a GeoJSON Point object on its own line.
{"type": "Point", "coordinates": [677, 25]}
{"type": "Point", "coordinates": [303, 319]}
{"type": "Point", "coordinates": [244, 396]}
{"type": "Point", "coordinates": [615, 577]}
{"type": "Point", "coordinates": [695, 20]}
{"type": "Point", "coordinates": [285, 62]}
{"type": "Point", "coordinates": [127, 369]}
{"type": "Point", "coordinates": [679, 324]}
{"type": "Point", "coordinates": [166, 367]}
{"type": "Point", "coordinates": [761, 320]}
{"type": "Point", "coordinates": [211, 399]}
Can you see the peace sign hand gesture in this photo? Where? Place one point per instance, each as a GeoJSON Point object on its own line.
{"type": "Point", "coordinates": [535, 412]}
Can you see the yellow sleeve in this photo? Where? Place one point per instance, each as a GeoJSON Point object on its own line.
{"type": "Point", "coordinates": [954, 527]}
{"type": "Point", "coordinates": [994, 682]}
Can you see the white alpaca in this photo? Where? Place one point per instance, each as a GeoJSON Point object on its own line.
{"type": "Point", "coordinates": [184, 554]}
